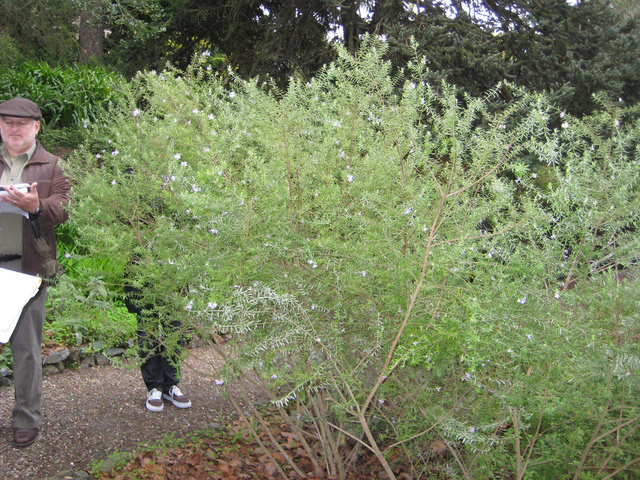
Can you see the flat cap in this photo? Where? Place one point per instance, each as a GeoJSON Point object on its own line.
{"type": "Point", "coordinates": [20, 107]}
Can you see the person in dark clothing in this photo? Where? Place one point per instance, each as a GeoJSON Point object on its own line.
{"type": "Point", "coordinates": [160, 356]}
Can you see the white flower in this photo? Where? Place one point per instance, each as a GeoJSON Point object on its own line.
{"type": "Point", "coordinates": [177, 156]}
{"type": "Point", "coordinates": [189, 305]}
{"type": "Point", "coordinates": [219, 382]}
{"type": "Point", "coordinates": [183, 164]}
{"type": "Point", "coordinates": [195, 110]}
{"type": "Point", "coordinates": [213, 231]}
{"type": "Point", "coordinates": [113, 182]}
{"type": "Point", "coordinates": [232, 94]}
{"type": "Point", "coordinates": [364, 273]}
{"type": "Point", "coordinates": [212, 305]}
{"type": "Point", "coordinates": [565, 124]}
{"type": "Point", "coordinates": [522, 300]}
{"type": "Point", "coordinates": [210, 116]}
{"type": "Point", "coordinates": [349, 178]}
{"type": "Point", "coordinates": [136, 112]}
{"type": "Point", "coordinates": [115, 152]}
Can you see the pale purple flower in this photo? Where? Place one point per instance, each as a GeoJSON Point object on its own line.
{"type": "Point", "coordinates": [189, 305]}
{"type": "Point", "coordinates": [177, 156]}
{"type": "Point", "coordinates": [219, 382]}
{"type": "Point", "coordinates": [213, 231]}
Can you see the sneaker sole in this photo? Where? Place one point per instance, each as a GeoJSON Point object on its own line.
{"type": "Point", "coordinates": [155, 409]}
{"type": "Point", "coordinates": [176, 403]}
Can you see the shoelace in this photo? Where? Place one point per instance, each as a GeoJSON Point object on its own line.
{"type": "Point", "coordinates": [175, 391]}
{"type": "Point", "coordinates": [155, 394]}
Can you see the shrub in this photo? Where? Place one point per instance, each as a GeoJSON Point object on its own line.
{"type": "Point", "coordinates": [398, 278]}
{"type": "Point", "coordinates": [67, 96]}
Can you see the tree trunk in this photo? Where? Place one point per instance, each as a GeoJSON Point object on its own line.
{"type": "Point", "coordinates": [91, 32]}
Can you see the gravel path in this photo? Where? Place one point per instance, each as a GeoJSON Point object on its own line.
{"type": "Point", "coordinates": [92, 413]}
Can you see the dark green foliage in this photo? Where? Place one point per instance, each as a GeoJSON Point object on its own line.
{"type": "Point", "coordinates": [570, 49]}
{"type": "Point", "coordinates": [67, 96]}
{"type": "Point", "coordinates": [8, 51]}
{"type": "Point", "coordinates": [42, 30]}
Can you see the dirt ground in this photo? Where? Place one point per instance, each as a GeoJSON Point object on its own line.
{"type": "Point", "coordinates": [92, 413]}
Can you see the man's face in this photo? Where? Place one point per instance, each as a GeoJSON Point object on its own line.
{"type": "Point", "coordinates": [18, 134]}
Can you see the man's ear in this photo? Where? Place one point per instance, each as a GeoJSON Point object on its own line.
{"type": "Point", "coordinates": [37, 126]}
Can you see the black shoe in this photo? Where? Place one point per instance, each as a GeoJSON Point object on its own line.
{"type": "Point", "coordinates": [23, 437]}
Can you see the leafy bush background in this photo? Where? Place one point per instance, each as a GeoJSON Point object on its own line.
{"type": "Point", "coordinates": [398, 272]}
{"type": "Point", "coordinates": [68, 97]}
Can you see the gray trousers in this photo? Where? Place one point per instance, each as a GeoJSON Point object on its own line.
{"type": "Point", "coordinates": [26, 344]}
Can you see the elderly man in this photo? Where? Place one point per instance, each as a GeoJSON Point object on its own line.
{"type": "Point", "coordinates": [24, 160]}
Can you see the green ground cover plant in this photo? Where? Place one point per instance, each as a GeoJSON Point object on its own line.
{"type": "Point", "coordinates": [398, 273]}
{"type": "Point", "coordinates": [69, 97]}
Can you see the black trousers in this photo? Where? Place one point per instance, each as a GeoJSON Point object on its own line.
{"type": "Point", "coordinates": [160, 357]}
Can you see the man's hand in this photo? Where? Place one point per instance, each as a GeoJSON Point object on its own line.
{"type": "Point", "coordinates": [29, 202]}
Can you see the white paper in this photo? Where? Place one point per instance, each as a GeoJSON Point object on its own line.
{"type": "Point", "coordinates": [9, 207]}
{"type": "Point", "coordinates": [16, 289]}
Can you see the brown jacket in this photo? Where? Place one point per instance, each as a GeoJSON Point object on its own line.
{"type": "Point", "coordinates": [53, 189]}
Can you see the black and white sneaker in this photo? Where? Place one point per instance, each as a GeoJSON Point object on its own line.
{"type": "Point", "coordinates": [154, 400]}
{"type": "Point", "coordinates": [176, 397]}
